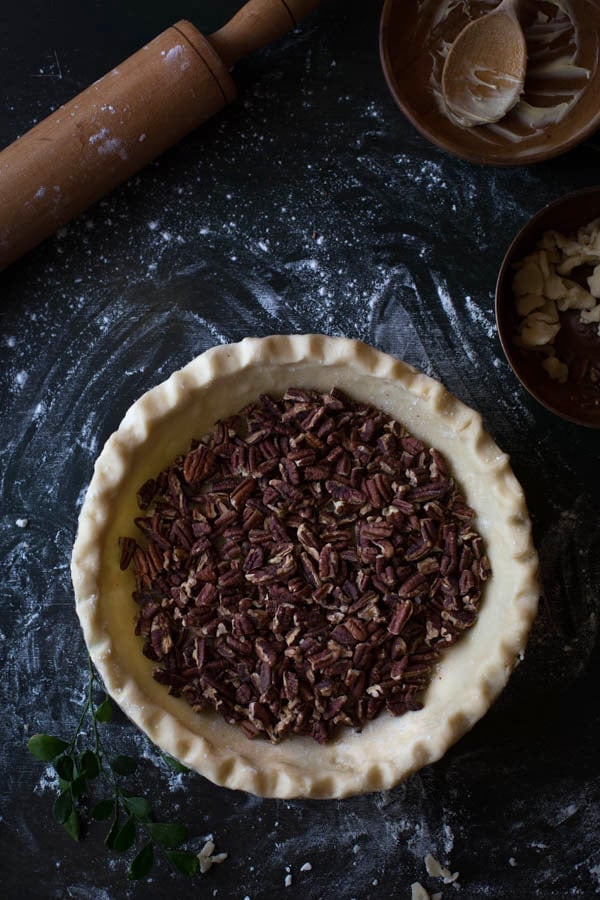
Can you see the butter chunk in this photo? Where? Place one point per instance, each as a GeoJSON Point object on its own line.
{"type": "Point", "coordinates": [548, 241]}
{"type": "Point", "coordinates": [543, 264]}
{"type": "Point", "coordinates": [577, 298]}
{"type": "Point", "coordinates": [572, 262]}
{"type": "Point", "coordinates": [589, 235]}
{"type": "Point", "coordinates": [526, 303]}
{"type": "Point", "coordinates": [556, 369]}
{"type": "Point", "coordinates": [529, 279]}
{"type": "Point", "coordinates": [547, 313]}
{"type": "Point", "coordinates": [568, 246]}
{"type": "Point", "coordinates": [594, 282]}
{"type": "Point", "coordinates": [554, 287]}
{"type": "Point", "coordinates": [591, 315]}
{"type": "Point", "coordinates": [538, 306]}
{"type": "Point", "coordinates": [536, 332]}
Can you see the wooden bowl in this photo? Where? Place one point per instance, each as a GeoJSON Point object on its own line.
{"type": "Point", "coordinates": [414, 37]}
{"type": "Point", "coordinates": [575, 401]}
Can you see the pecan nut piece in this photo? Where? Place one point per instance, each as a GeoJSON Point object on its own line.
{"type": "Point", "coordinates": [301, 568]}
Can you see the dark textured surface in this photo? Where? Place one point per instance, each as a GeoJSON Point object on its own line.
{"type": "Point", "coordinates": [310, 204]}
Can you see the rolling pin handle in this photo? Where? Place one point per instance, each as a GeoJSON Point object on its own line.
{"type": "Point", "coordinates": [258, 24]}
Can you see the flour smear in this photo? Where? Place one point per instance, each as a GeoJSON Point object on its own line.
{"type": "Point", "coordinates": [246, 230]}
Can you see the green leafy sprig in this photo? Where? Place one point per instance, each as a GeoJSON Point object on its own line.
{"type": "Point", "coordinates": [131, 817]}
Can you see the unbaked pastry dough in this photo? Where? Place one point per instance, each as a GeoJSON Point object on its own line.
{"type": "Point", "coordinates": [469, 676]}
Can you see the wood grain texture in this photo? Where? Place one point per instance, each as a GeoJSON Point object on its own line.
{"type": "Point", "coordinates": [258, 24]}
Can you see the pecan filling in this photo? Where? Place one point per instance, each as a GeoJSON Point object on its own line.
{"type": "Point", "coordinates": [303, 566]}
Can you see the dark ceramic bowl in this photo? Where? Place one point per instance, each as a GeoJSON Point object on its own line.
{"type": "Point", "coordinates": [577, 401]}
{"type": "Point", "coordinates": [412, 41]}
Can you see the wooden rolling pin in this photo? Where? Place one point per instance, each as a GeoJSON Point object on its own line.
{"type": "Point", "coordinates": [126, 119]}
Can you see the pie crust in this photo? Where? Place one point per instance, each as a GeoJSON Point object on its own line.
{"type": "Point", "coordinates": [469, 676]}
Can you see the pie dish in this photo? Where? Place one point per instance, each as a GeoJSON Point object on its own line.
{"type": "Point", "coordinates": [159, 426]}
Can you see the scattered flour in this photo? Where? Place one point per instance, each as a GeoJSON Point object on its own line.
{"type": "Point", "coordinates": [174, 53]}
{"type": "Point", "coordinates": [350, 246]}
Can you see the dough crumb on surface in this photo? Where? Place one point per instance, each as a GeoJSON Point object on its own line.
{"type": "Point", "coordinates": [22, 523]}
{"type": "Point", "coordinates": [306, 867]}
{"type": "Point", "coordinates": [437, 870]}
{"type": "Point", "coordinates": [206, 858]}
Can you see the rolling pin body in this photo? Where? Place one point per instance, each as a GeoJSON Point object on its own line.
{"type": "Point", "coordinates": [107, 133]}
{"type": "Point", "coordinates": [110, 131]}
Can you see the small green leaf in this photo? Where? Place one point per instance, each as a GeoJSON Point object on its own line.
{"type": "Point", "coordinates": [184, 862]}
{"type": "Point", "coordinates": [72, 825]}
{"type": "Point", "coordinates": [65, 768]}
{"type": "Point", "coordinates": [142, 863]}
{"type": "Point", "coordinates": [62, 807]}
{"type": "Point", "coordinates": [103, 810]}
{"type": "Point", "coordinates": [46, 747]}
{"type": "Point", "coordinates": [123, 765]}
{"type": "Point", "coordinates": [113, 831]}
{"type": "Point", "coordinates": [174, 763]}
{"type": "Point", "coordinates": [138, 807]}
{"type": "Point", "coordinates": [125, 837]}
{"type": "Point", "coordinates": [90, 764]}
{"type": "Point", "coordinates": [104, 712]}
{"type": "Point", "coordinates": [167, 835]}
{"type": "Point", "coordinates": [78, 786]}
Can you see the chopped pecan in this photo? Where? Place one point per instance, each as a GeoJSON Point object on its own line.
{"type": "Point", "coordinates": [128, 546]}
{"type": "Point", "coordinates": [301, 568]}
{"type": "Point", "coordinates": [198, 465]}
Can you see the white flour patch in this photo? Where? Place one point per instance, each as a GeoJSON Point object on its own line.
{"type": "Point", "coordinates": [98, 136]}
{"type": "Point", "coordinates": [48, 781]}
{"type": "Point", "coordinates": [453, 317]}
{"type": "Point", "coordinates": [429, 173]}
{"type": "Point", "coordinates": [480, 317]}
{"type": "Point", "coordinates": [174, 53]}
{"type": "Point", "coordinates": [86, 892]}
{"type": "Point", "coordinates": [448, 839]}
{"type": "Point", "coordinates": [114, 146]}
{"type": "Point", "coordinates": [177, 55]}
{"type": "Point", "coordinates": [595, 873]}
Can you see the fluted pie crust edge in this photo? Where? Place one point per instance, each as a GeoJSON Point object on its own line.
{"type": "Point", "coordinates": [469, 676]}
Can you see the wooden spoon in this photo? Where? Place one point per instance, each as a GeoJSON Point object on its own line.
{"type": "Point", "coordinates": [484, 72]}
